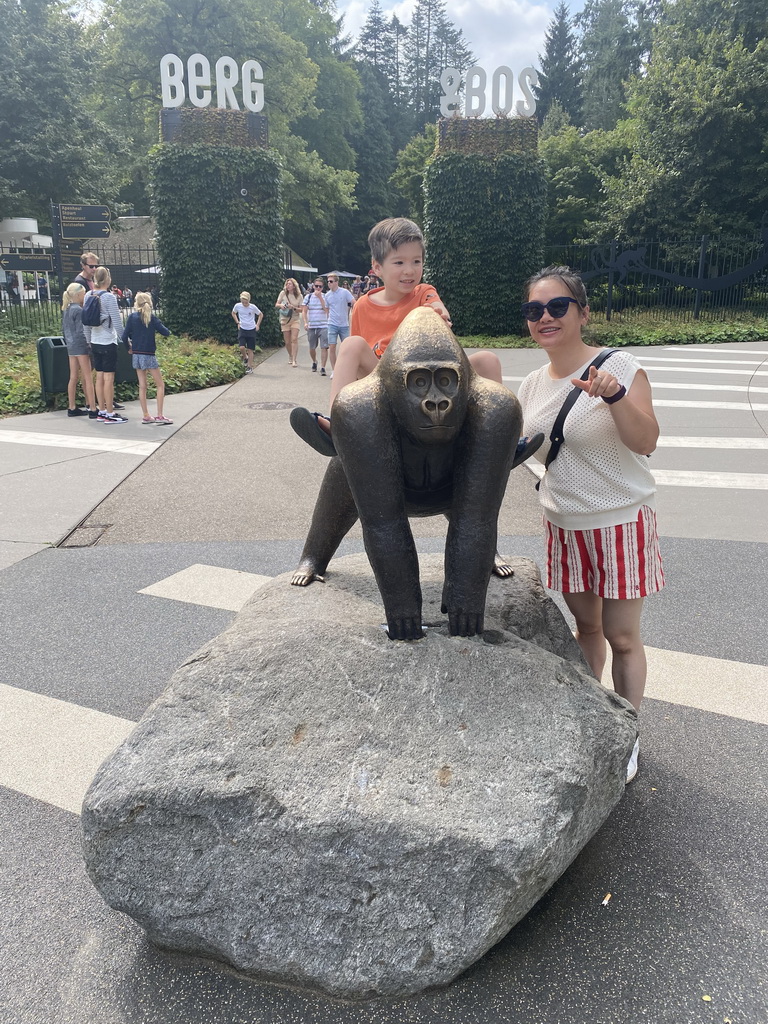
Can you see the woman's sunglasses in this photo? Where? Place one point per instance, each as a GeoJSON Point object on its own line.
{"type": "Point", "coordinates": [556, 308]}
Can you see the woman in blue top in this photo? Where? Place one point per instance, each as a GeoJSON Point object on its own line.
{"type": "Point", "coordinates": [139, 335]}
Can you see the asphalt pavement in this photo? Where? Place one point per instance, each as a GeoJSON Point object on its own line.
{"type": "Point", "coordinates": [124, 548]}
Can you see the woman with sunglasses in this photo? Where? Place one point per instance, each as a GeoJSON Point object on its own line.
{"type": "Point", "coordinates": [598, 494]}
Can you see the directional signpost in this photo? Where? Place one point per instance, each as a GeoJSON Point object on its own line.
{"type": "Point", "coordinates": [79, 222]}
{"type": "Point", "coordinates": [14, 261]}
{"type": "Point", "coordinates": [72, 224]}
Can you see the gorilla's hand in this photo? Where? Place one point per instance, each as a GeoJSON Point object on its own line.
{"type": "Point", "coordinates": [405, 629]}
{"type": "Point", "coordinates": [465, 623]}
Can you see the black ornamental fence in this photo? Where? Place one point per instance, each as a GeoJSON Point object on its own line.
{"type": "Point", "coordinates": [37, 303]}
{"type": "Point", "coordinates": [699, 279]}
{"type": "Point", "coordinates": [703, 278]}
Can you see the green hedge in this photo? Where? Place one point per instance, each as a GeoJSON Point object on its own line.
{"type": "Point", "coordinates": [616, 335]}
{"type": "Point", "coordinates": [212, 241]}
{"type": "Point", "coordinates": [484, 226]}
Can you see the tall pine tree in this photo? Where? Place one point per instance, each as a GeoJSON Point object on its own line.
{"type": "Point", "coordinates": [560, 71]}
{"type": "Point", "coordinates": [610, 49]}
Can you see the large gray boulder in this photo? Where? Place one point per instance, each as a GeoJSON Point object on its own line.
{"type": "Point", "coordinates": [314, 804]}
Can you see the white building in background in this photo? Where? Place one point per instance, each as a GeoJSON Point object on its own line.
{"type": "Point", "coordinates": [20, 233]}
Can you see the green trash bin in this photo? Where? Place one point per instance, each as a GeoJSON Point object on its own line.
{"type": "Point", "coordinates": [125, 373]}
{"type": "Point", "coordinates": [53, 361]}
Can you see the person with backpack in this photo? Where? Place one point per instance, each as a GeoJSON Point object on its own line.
{"type": "Point", "coordinates": [101, 322]}
{"type": "Point", "coordinates": [597, 495]}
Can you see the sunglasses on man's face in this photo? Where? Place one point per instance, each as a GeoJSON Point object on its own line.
{"type": "Point", "coordinates": [92, 266]}
{"type": "Point", "coordinates": [556, 308]}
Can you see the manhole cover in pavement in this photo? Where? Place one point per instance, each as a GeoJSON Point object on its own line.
{"type": "Point", "coordinates": [271, 406]}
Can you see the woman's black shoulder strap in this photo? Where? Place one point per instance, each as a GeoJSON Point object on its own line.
{"type": "Point", "coordinates": [556, 437]}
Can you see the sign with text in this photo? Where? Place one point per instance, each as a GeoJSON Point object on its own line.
{"type": "Point", "coordinates": [200, 83]}
{"type": "Point", "coordinates": [13, 261]}
{"type": "Point", "coordinates": [475, 84]}
{"type": "Point", "coordinates": [77, 222]}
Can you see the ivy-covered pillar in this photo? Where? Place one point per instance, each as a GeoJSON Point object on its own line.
{"type": "Point", "coordinates": [215, 191]}
{"type": "Point", "coordinates": [484, 214]}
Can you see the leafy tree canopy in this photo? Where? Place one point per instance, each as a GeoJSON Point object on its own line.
{"type": "Point", "coordinates": [53, 148]}
{"type": "Point", "coordinates": [699, 128]}
{"type": "Point", "coordinates": [132, 36]}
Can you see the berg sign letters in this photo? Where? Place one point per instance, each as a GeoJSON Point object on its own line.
{"type": "Point", "coordinates": [476, 80]}
{"type": "Point", "coordinates": [200, 85]}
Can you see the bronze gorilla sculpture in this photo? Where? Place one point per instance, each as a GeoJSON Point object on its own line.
{"type": "Point", "coordinates": [422, 435]}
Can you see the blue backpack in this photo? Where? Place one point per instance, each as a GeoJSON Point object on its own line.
{"type": "Point", "coordinates": [92, 309]}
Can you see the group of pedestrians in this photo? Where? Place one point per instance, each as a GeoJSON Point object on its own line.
{"type": "Point", "coordinates": [92, 346]}
{"type": "Point", "coordinates": [324, 316]}
{"type": "Point", "coordinates": [597, 496]}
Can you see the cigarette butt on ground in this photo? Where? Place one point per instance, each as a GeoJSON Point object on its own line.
{"type": "Point", "coordinates": [607, 900]}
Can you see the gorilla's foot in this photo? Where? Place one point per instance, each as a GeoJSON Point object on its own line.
{"type": "Point", "coordinates": [526, 447]}
{"type": "Point", "coordinates": [307, 425]}
{"type": "Point", "coordinates": [306, 573]}
{"type": "Point", "coordinates": [501, 567]}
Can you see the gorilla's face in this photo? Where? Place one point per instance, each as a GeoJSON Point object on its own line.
{"type": "Point", "coordinates": [433, 403]}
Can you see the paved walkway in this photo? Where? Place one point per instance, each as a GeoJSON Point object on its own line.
{"type": "Point", "coordinates": [123, 549]}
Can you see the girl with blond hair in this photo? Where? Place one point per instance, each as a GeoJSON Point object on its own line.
{"type": "Point", "coordinates": [288, 304]}
{"type": "Point", "coordinates": [78, 350]}
{"type": "Point", "coordinates": [139, 335]}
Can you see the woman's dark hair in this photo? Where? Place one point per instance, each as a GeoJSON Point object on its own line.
{"type": "Point", "coordinates": [570, 278]}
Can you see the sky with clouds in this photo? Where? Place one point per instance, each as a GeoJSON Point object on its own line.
{"type": "Point", "coordinates": [499, 32]}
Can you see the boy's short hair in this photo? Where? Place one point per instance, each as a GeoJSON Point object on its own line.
{"type": "Point", "coordinates": [391, 234]}
{"type": "Point", "coordinates": [246, 296]}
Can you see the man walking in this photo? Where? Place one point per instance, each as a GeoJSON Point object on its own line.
{"type": "Point", "coordinates": [315, 313]}
{"type": "Point", "coordinates": [339, 302]}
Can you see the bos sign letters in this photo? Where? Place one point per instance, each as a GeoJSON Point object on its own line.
{"type": "Point", "coordinates": [200, 85]}
{"type": "Point", "coordinates": [475, 89]}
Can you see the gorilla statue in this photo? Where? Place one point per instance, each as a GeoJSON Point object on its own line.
{"type": "Point", "coordinates": [422, 435]}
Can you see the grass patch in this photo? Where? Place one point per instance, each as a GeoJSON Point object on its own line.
{"type": "Point", "coordinates": [186, 366]}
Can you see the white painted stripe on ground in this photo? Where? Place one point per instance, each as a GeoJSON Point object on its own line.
{"type": "Point", "coordinates": [696, 352]}
{"type": "Point", "coordinates": [760, 443]}
{"type": "Point", "coordinates": [730, 688]}
{"type": "Point", "coordinates": [734, 406]}
{"type": "Point", "coordinates": [50, 749]}
{"type": "Point", "coordinates": [746, 363]}
{"type": "Point", "coordinates": [692, 478]}
{"type": "Point", "coordinates": [749, 374]}
{"type": "Point", "coordinates": [122, 446]}
{"type": "Point", "coordinates": [209, 585]}
{"type": "Point", "coordinates": [723, 388]}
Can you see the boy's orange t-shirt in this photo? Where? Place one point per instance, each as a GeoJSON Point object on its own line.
{"type": "Point", "coordinates": [377, 323]}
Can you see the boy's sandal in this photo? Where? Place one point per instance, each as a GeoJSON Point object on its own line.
{"type": "Point", "coordinates": [306, 425]}
{"type": "Point", "coordinates": [526, 447]}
